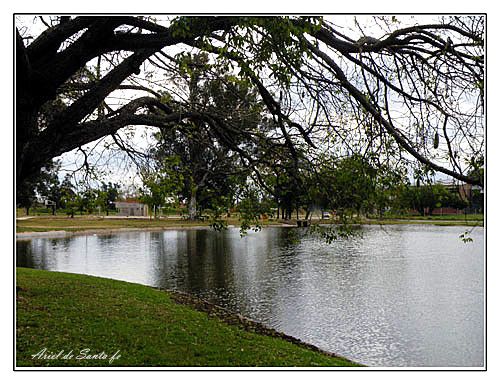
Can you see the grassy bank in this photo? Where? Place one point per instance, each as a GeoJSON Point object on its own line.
{"type": "Point", "coordinates": [49, 223]}
{"type": "Point", "coordinates": [409, 221]}
{"type": "Point", "coordinates": [60, 311]}
{"type": "Point", "coordinates": [437, 217]}
{"type": "Point", "coordinates": [38, 224]}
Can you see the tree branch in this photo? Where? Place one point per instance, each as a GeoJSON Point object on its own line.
{"type": "Point", "coordinates": [361, 99]}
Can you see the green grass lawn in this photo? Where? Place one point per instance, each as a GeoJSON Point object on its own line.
{"type": "Point", "coordinates": [92, 223]}
{"type": "Point", "coordinates": [438, 220]}
{"type": "Point", "coordinates": [51, 223]}
{"type": "Point", "coordinates": [80, 223]}
{"type": "Point", "coordinates": [445, 217]}
{"type": "Point", "coordinates": [60, 311]}
{"type": "Point", "coordinates": [423, 222]}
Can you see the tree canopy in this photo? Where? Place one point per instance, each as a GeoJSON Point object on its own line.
{"type": "Point", "coordinates": [415, 90]}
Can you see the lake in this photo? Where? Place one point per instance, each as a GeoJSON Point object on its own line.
{"type": "Point", "coordinates": [403, 295]}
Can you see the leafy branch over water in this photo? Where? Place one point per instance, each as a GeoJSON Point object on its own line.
{"type": "Point", "coordinates": [337, 232]}
{"type": "Point", "coordinates": [465, 236]}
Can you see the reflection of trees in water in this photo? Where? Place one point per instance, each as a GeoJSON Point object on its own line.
{"type": "Point", "coordinates": [208, 262]}
{"type": "Point", "coordinates": [262, 271]}
{"type": "Point", "coordinates": [24, 254]}
{"type": "Point", "coordinates": [61, 243]}
{"type": "Point", "coordinates": [195, 261]}
{"type": "Point", "coordinates": [285, 291]}
{"type": "Point", "coordinates": [107, 240]}
{"type": "Point", "coordinates": [162, 250]}
{"type": "Point", "coordinates": [41, 253]}
{"type": "Point", "coordinates": [164, 263]}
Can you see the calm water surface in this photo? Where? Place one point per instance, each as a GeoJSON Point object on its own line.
{"type": "Point", "coordinates": [399, 296]}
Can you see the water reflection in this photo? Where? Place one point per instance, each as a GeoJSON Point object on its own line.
{"type": "Point", "coordinates": [399, 296]}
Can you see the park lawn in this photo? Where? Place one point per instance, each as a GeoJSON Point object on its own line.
{"type": "Point", "coordinates": [61, 311]}
{"type": "Point", "coordinates": [423, 222]}
{"type": "Point", "coordinates": [96, 223]}
{"type": "Point", "coordinates": [438, 220]}
{"type": "Point", "coordinates": [445, 217]}
{"type": "Point", "coordinates": [58, 223]}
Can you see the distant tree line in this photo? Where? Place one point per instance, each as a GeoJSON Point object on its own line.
{"type": "Point", "coordinates": [56, 195]}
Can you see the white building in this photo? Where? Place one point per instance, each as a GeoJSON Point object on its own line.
{"type": "Point", "coordinates": [131, 208]}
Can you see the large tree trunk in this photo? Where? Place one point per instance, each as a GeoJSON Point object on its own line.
{"type": "Point", "coordinates": [26, 110]}
{"type": "Point", "coordinates": [192, 202]}
{"type": "Point", "coordinates": [192, 207]}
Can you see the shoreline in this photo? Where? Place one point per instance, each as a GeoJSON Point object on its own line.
{"type": "Point", "coordinates": [27, 235]}
{"type": "Point", "coordinates": [235, 319]}
{"type": "Point", "coordinates": [73, 233]}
